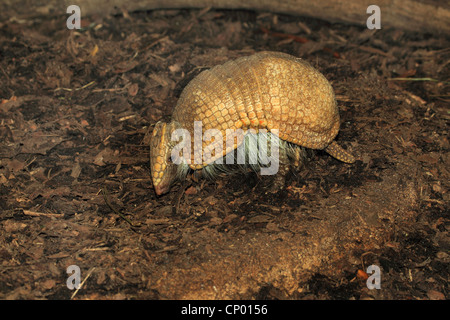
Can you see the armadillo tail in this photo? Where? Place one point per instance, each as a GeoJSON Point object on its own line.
{"type": "Point", "coordinates": [336, 151]}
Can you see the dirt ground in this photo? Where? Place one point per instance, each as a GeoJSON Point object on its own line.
{"type": "Point", "coordinates": [75, 185]}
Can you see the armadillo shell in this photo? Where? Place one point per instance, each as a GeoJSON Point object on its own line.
{"type": "Point", "coordinates": [268, 90]}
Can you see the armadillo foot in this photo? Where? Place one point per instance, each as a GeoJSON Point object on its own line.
{"type": "Point", "coordinates": [336, 151]}
{"type": "Point", "coordinates": [198, 174]}
{"type": "Point", "coordinates": [279, 179]}
{"type": "Point", "coordinates": [277, 184]}
{"type": "Point", "coordinates": [298, 157]}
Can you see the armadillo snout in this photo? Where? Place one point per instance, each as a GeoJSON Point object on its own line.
{"type": "Point", "coordinates": [163, 170]}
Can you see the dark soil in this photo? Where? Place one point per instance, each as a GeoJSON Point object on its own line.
{"type": "Point", "coordinates": [75, 185]}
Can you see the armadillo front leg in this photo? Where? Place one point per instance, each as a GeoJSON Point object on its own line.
{"type": "Point", "coordinates": [298, 157]}
{"type": "Point", "coordinates": [279, 178]}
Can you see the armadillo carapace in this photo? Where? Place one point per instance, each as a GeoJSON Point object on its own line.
{"type": "Point", "coordinates": [267, 90]}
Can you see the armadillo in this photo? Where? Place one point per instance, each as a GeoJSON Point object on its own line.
{"type": "Point", "coordinates": [267, 90]}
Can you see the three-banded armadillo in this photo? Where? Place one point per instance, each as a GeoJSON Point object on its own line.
{"type": "Point", "coordinates": [267, 90]}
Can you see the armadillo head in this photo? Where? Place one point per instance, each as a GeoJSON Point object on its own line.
{"type": "Point", "coordinates": [164, 171]}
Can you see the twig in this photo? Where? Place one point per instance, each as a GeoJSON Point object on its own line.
{"type": "Point", "coordinates": [104, 192]}
{"type": "Point", "coordinates": [40, 214]}
{"type": "Point", "coordinates": [76, 89]}
{"type": "Point", "coordinates": [284, 35]}
{"type": "Point", "coordinates": [417, 79]}
{"type": "Point", "coordinates": [296, 39]}
{"type": "Point", "coordinates": [82, 283]}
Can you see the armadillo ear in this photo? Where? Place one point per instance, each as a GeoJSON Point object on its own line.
{"type": "Point", "coordinates": [158, 128]}
{"type": "Point", "coordinates": [175, 137]}
{"type": "Point", "coordinates": [155, 138]}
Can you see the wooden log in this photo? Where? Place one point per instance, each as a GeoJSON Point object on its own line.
{"type": "Point", "coordinates": [414, 15]}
